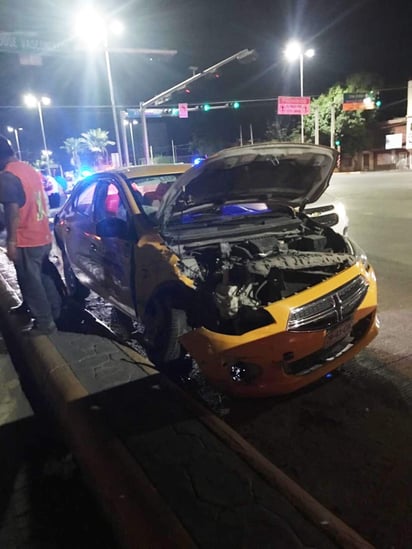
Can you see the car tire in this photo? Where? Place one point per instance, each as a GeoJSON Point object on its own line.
{"type": "Point", "coordinates": [75, 289]}
{"type": "Point", "coordinates": [163, 327]}
{"type": "Point", "coordinates": [121, 324]}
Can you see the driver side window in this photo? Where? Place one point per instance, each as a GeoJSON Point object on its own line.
{"type": "Point", "coordinates": [109, 203]}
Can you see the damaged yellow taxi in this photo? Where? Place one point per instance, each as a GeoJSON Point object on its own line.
{"type": "Point", "coordinates": [221, 262]}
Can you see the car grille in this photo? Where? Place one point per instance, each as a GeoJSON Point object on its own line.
{"type": "Point", "coordinates": [312, 362]}
{"type": "Point", "coordinates": [329, 309]}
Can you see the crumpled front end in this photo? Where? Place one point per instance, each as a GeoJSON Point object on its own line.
{"type": "Point", "coordinates": [312, 333]}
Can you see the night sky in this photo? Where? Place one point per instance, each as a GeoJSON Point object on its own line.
{"type": "Point", "coordinates": [348, 36]}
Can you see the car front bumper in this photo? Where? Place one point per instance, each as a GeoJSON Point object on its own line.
{"type": "Point", "coordinates": [274, 360]}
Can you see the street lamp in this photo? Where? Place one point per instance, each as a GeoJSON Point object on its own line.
{"type": "Point", "coordinates": [293, 51]}
{"type": "Point", "coordinates": [16, 137]}
{"type": "Point", "coordinates": [93, 29]}
{"type": "Point", "coordinates": [32, 101]}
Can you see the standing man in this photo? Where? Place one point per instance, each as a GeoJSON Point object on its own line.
{"type": "Point", "coordinates": [28, 239]}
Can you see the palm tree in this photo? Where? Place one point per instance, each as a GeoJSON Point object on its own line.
{"type": "Point", "coordinates": [97, 142]}
{"type": "Point", "coordinates": [74, 146]}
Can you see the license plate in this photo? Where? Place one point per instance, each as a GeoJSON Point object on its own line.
{"type": "Point", "coordinates": [339, 332]}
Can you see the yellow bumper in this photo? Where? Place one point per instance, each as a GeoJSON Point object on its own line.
{"type": "Point", "coordinates": [283, 361]}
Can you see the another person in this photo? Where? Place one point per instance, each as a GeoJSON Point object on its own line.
{"type": "Point", "coordinates": [52, 189]}
{"type": "Point", "coordinates": [29, 240]}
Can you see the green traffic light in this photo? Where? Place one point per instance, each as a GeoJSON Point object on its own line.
{"type": "Point", "coordinates": [378, 103]}
{"type": "Point", "coordinates": [337, 142]}
{"type": "Point", "coordinates": [206, 107]}
{"type": "Point", "coordinates": [236, 105]}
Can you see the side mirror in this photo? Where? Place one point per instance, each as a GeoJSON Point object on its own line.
{"type": "Point", "coordinates": [113, 228]}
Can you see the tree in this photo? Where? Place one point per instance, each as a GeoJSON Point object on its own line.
{"type": "Point", "coordinates": [97, 141]}
{"type": "Point", "coordinates": [282, 129]}
{"type": "Point", "coordinates": [351, 127]}
{"type": "Point", "coordinates": [205, 145]}
{"type": "Point", "coordinates": [74, 146]}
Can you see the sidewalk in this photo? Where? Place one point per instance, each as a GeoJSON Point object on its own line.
{"type": "Point", "coordinates": [167, 472]}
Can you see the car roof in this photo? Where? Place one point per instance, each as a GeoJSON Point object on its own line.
{"type": "Point", "coordinates": [153, 169]}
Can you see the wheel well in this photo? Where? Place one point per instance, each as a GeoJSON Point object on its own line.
{"type": "Point", "coordinates": [176, 295]}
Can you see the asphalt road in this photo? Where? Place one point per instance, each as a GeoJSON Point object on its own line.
{"type": "Point", "coordinates": [380, 216]}
{"type": "Point", "coordinates": [347, 439]}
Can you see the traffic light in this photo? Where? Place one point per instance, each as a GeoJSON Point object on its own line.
{"type": "Point", "coordinates": [337, 142]}
{"type": "Point", "coordinates": [235, 105]}
{"type": "Point", "coordinates": [378, 102]}
{"type": "Point", "coordinates": [206, 107]}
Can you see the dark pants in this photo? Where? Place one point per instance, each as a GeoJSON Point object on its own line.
{"type": "Point", "coordinates": [54, 200]}
{"type": "Point", "coordinates": [37, 285]}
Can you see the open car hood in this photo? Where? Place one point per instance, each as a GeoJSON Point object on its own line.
{"type": "Point", "coordinates": [285, 173]}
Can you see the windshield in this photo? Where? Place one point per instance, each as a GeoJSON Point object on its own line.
{"type": "Point", "coordinates": [149, 190]}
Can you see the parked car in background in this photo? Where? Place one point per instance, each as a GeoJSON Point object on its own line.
{"type": "Point", "coordinates": [329, 211]}
{"type": "Point", "coordinates": [223, 263]}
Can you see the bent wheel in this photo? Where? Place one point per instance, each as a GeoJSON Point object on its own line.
{"type": "Point", "coordinates": [163, 326]}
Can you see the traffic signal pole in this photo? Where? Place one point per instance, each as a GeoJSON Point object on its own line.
{"type": "Point", "coordinates": [160, 98]}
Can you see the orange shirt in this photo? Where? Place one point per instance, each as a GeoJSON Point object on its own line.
{"type": "Point", "coordinates": [33, 227]}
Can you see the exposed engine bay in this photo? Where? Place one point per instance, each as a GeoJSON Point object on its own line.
{"type": "Point", "coordinates": [243, 273]}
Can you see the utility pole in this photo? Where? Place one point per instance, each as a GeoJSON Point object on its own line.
{"type": "Point", "coordinates": [332, 127]}
{"type": "Point", "coordinates": [316, 125]}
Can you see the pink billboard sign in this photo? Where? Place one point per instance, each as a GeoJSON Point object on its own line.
{"type": "Point", "coordinates": [293, 105]}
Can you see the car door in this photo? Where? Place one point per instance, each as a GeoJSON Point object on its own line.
{"type": "Point", "coordinates": [112, 253]}
{"type": "Point", "coordinates": [77, 231]}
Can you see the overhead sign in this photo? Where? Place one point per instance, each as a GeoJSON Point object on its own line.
{"type": "Point", "coordinates": [357, 101]}
{"type": "Point", "coordinates": [293, 105]}
{"type": "Point", "coordinates": [183, 110]}
{"type": "Point", "coordinates": [27, 43]}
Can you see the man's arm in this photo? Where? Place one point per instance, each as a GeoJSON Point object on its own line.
{"type": "Point", "coordinates": [12, 197]}
{"type": "Point", "coordinates": [11, 217]}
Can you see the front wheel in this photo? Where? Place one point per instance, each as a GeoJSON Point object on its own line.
{"type": "Point", "coordinates": [163, 327]}
{"type": "Point", "coordinates": [75, 289]}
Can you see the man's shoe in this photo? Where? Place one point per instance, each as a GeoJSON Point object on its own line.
{"type": "Point", "coordinates": [21, 309]}
{"type": "Point", "coordinates": [36, 330]}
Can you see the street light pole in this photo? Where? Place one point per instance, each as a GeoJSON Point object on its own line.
{"type": "Point", "coordinates": [43, 133]}
{"type": "Point", "coordinates": [33, 101]}
{"type": "Point", "coordinates": [160, 98]}
{"type": "Point", "coordinates": [112, 98]}
{"type": "Point", "coordinates": [92, 27]}
{"type": "Point", "coordinates": [294, 51]}
{"type": "Point", "coordinates": [16, 137]}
